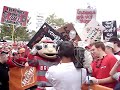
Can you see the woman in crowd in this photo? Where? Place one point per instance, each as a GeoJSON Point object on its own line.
{"type": "Point", "coordinates": [65, 76]}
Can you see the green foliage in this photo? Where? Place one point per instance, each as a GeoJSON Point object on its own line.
{"type": "Point", "coordinates": [5, 30]}
{"type": "Point", "coordinates": [20, 33]}
{"type": "Point", "coordinates": [53, 20]}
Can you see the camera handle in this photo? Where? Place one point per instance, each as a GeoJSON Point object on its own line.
{"type": "Point", "coordinates": [90, 82]}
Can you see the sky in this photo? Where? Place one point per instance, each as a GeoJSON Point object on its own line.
{"type": "Point", "coordinates": [106, 9]}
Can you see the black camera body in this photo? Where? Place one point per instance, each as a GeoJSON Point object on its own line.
{"type": "Point", "coordinates": [79, 57]}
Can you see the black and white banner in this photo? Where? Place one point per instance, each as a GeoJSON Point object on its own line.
{"type": "Point", "coordinates": [110, 30]}
{"type": "Point", "coordinates": [46, 31]}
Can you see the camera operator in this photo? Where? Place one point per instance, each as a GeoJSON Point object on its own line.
{"type": "Point", "coordinates": [68, 74]}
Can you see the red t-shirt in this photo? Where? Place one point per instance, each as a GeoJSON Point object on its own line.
{"type": "Point", "coordinates": [101, 69]}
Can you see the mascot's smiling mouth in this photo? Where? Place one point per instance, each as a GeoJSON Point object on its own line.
{"type": "Point", "coordinates": [50, 54]}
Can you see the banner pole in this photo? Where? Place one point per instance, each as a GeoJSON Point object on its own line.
{"type": "Point", "coordinates": [13, 33]}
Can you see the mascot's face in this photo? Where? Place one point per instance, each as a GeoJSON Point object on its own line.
{"type": "Point", "coordinates": [48, 49]}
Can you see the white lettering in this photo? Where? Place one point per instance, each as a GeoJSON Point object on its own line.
{"type": "Point", "coordinates": [27, 76]}
{"type": "Point", "coordinates": [56, 37]}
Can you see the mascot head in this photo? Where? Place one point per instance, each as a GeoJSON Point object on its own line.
{"type": "Point", "coordinates": [46, 48]}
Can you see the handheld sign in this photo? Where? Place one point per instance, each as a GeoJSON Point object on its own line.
{"type": "Point", "coordinates": [110, 30]}
{"type": "Point", "coordinates": [92, 31]}
{"type": "Point", "coordinates": [46, 31]}
{"type": "Point", "coordinates": [22, 79]}
{"type": "Point", "coordinates": [69, 33]}
{"type": "Point", "coordinates": [85, 15]}
{"type": "Point", "coordinates": [14, 16]}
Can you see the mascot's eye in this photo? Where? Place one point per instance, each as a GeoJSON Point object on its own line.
{"type": "Point", "coordinates": [54, 46]}
{"type": "Point", "coordinates": [38, 47]}
{"type": "Point", "coordinates": [45, 45]}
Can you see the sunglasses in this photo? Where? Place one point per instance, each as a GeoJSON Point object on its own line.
{"type": "Point", "coordinates": [3, 52]}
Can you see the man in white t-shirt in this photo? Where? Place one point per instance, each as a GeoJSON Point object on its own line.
{"type": "Point", "coordinates": [65, 76]}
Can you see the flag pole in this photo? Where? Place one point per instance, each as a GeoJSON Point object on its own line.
{"type": "Point", "coordinates": [13, 29]}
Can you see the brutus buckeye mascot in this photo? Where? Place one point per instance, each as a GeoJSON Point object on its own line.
{"type": "Point", "coordinates": [42, 56]}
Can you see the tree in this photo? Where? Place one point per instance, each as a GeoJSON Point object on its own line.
{"type": "Point", "coordinates": [31, 34]}
{"type": "Point", "coordinates": [54, 21]}
{"type": "Point", "coordinates": [20, 33]}
{"type": "Point", "coordinates": [5, 30]}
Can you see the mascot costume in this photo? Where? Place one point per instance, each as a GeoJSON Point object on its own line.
{"type": "Point", "coordinates": [42, 56]}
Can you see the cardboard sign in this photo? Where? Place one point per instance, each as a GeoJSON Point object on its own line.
{"type": "Point", "coordinates": [22, 78]}
{"type": "Point", "coordinates": [110, 30]}
{"type": "Point", "coordinates": [46, 31]}
{"type": "Point", "coordinates": [69, 33]}
{"type": "Point", "coordinates": [92, 31]}
{"type": "Point", "coordinates": [85, 15]}
{"type": "Point", "coordinates": [14, 16]}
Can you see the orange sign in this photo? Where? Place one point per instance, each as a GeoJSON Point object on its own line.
{"type": "Point", "coordinates": [22, 78]}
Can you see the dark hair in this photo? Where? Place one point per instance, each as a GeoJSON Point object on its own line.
{"type": "Point", "coordinates": [99, 44]}
{"type": "Point", "coordinates": [3, 52]}
{"type": "Point", "coordinates": [115, 40]}
{"type": "Point", "coordinates": [65, 48]}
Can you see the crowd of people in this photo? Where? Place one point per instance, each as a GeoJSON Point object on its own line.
{"type": "Point", "coordinates": [70, 73]}
{"type": "Point", "coordinates": [11, 55]}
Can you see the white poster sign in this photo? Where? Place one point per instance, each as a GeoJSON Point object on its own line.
{"type": "Point", "coordinates": [85, 15]}
{"type": "Point", "coordinates": [92, 31]}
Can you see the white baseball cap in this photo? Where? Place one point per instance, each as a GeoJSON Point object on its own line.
{"type": "Point", "coordinates": [82, 44]}
{"type": "Point", "coordinates": [109, 44]}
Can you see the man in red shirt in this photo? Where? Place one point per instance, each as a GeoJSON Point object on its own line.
{"type": "Point", "coordinates": [102, 66]}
